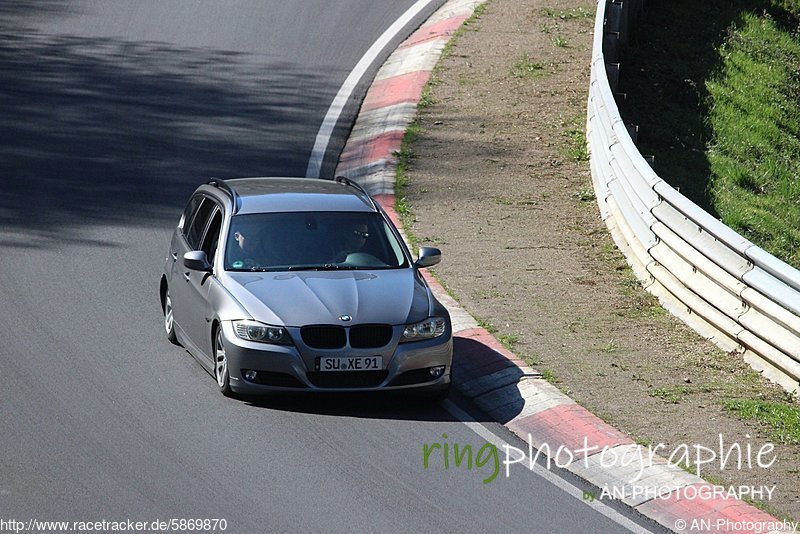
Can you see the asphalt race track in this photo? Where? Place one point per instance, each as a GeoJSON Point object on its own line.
{"type": "Point", "coordinates": [110, 114]}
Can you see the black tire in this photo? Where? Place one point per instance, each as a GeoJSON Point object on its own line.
{"type": "Point", "coordinates": [169, 320]}
{"type": "Point", "coordinates": [221, 372]}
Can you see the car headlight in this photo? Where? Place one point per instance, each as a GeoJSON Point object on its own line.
{"type": "Point", "coordinates": [255, 331]}
{"type": "Point", "coordinates": [428, 329]}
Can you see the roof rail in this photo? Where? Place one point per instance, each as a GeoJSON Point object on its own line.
{"type": "Point", "coordinates": [224, 186]}
{"type": "Point", "coordinates": [347, 181]}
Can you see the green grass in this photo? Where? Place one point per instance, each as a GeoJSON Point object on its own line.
{"type": "Point", "coordinates": [610, 347]}
{"type": "Point", "coordinates": [754, 153]}
{"type": "Point", "coordinates": [550, 377]}
{"type": "Point", "coordinates": [577, 149]}
{"type": "Point", "coordinates": [426, 98]}
{"type": "Point", "coordinates": [639, 304]}
{"type": "Point", "coordinates": [509, 341]}
{"type": "Point", "coordinates": [720, 111]}
{"type": "Point", "coordinates": [671, 394]}
{"type": "Point", "coordinates": [526, 68]}
{"type": "Point", "coordinates": [405, 156]}
{"type": "Point", "coordinates": [568, 14]}
{"type": "Point", "coordinates": [559, 41]}
{"type": "Point", "coordinates": [476, 14]}
{"type": "Point", "coordinates": [782, 420]}
{"type": "Point", "coordinates": [489, 327]}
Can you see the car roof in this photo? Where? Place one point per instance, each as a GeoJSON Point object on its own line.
{"type": "Point", "coordinates": [275, 194]}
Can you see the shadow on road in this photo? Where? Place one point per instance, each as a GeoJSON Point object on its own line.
{"type": "Point", "coordinates": [98, 131]}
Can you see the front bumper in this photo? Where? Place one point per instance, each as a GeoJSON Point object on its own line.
{"type": "Point", "coordinates": [291, 368]}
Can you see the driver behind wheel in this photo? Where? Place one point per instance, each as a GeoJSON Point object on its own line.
{"type": "Point", "coordinates": [354, 238]}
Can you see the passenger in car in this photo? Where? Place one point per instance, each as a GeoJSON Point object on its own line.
{"type": "Point", "coordinates": [250, 251]}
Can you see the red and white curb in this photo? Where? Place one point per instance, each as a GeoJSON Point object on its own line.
{"type": "Point", "coordinates": [504, 386]}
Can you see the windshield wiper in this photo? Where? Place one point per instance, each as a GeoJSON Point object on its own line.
{"type": "Point", "coordinates": [323, 267]}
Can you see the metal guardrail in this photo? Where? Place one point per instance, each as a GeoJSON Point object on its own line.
{"type": "Point", "coordinates": [721, 284]}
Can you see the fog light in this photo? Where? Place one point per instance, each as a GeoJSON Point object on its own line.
{"type": "Point", "coordinates": [250, 375]}
{"type": "Point", "coordinates": [437, 371]}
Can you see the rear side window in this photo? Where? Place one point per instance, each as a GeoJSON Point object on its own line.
{"type": "Point", "coordinates": [189, 211]}
{"type": "Point", "coordinates": [198, 223]}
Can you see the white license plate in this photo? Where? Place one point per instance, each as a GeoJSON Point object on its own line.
{"type": "Point", "coordinates": [349, 363]}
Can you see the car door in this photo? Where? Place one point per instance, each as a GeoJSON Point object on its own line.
{"type": "Point", "coordinates": [198, 285]}
{"type": "Point", "coordinates": [189, 237]}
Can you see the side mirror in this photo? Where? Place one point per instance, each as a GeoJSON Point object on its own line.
{"type": "Point", "coordinates": [197, 260]}
{"type": "Point", "coordinates": [428, 256]}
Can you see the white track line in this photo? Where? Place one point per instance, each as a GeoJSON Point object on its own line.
{"type": "Point", "coordinates": [335, 110]}
{"type": "Point", "coordinates": [543, 472]}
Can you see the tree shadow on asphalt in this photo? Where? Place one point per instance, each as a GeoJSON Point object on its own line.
{"type": "Point", "coordinates": [100, 131]}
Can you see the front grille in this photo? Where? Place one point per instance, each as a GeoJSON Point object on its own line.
{"type": "Point", "coordinates": [347, 379]}
{"type": "Point", "coordinates": [323, 337]}
{"type": "Point", "coordinates": [370, 336]}
{"type": "Point", "coordinates": [363, 336]}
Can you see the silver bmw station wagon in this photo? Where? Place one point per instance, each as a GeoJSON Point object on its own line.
{"type": "Point", "coordinates": [300, 284]}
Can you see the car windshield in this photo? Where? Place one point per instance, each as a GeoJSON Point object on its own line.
{"type": "Point", "coordinates": [312, 241]}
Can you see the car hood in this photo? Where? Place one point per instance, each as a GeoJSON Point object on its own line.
{"type": "Point", "coordinates": [396, 296]}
